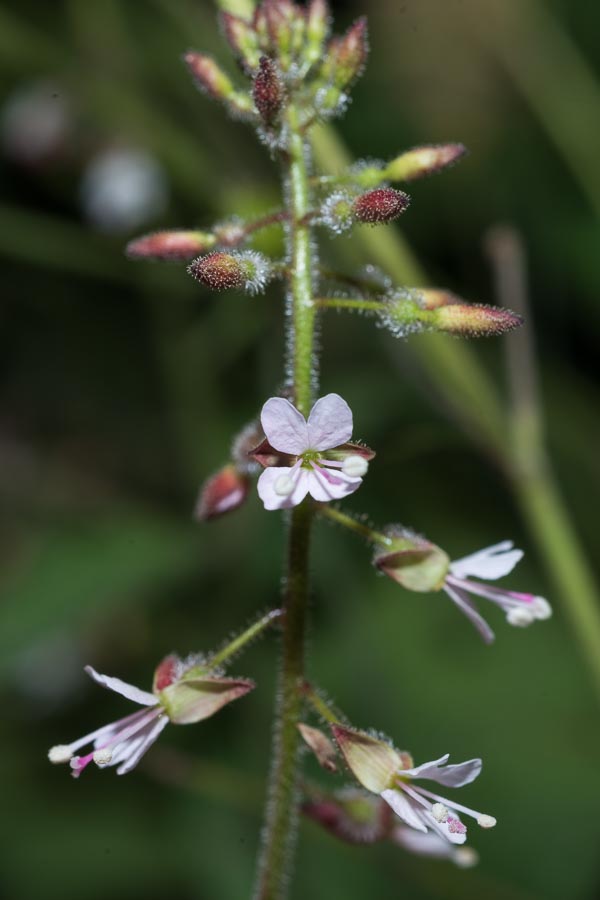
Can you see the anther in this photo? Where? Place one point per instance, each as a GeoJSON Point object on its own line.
{"type": "Point", "coordinates": [439, 812]}
{"type": "Point", "coordinates": [60, 754]}
{"type": "Point", "coordinates": [102, 757]}
{"type": "Point", "coordinates": [284, 486]}
{"type": "Point", "coordinates": [486, 821]}
{"type": "Point", "coordinates": [355, 466]}
{"type": "Point", "coordinates": [520, 617]}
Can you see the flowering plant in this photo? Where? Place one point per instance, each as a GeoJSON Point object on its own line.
{"type": "Point", "coordinates": [299, 75]}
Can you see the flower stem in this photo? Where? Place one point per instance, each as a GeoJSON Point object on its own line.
{"type": "Point", "coordinates": [235, 646]}
{"type": "Point", "coordinates": [282, 804]}
{"type": "Point", "coordinates": [336, 515]}
{"type": "Point", "coordinates": [351, 303]}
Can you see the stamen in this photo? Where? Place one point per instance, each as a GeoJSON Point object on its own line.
{"type": "Point", "coordinates": [465, 857]}
{"type": "Point", "coordinates": [60, 754]}
{"type": "Point", "coordinates": [489, 821]}
{"type": "Point", "coordinates": [486, 821]}
{"type": "Point", "coordinates": [520, 617]}
{"type": "Point", "coordinates": [102, 757]}
{"type": "Point", "coordinates": [439, 812]}
{"type": "Point", "coordinates": [542, 608]}
{"type": "Point", "coordinates": [355, 466]}
{"type": "Point", "coordinates": [455, 826]}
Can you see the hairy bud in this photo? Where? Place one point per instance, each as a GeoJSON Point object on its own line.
{"type": "Point", "coordinates": [349, 54]}
{"type": "Point", "coordinates": [473, 320]}
{"type": "Point", "coordinates": [350, 814]}
{"type": "Point", "coordinates": [433, 298]}
{"type": "Point", "coordinates": [380, 205]}
{"type": "Point", "coordinates": [211, 79]}
{"type": "Point", "coordinates": [222, 271]}
{"type": "Point", "coordinates": [423, 161]}
{"type": "Point", "coordinates": [170, 245]}
{"type": "Point", "coordinates": [317, 27]}
{"type": "Point", "coordinates": [267, 90]}
{"type": "Point", "coordinates": [242, 39]}
{"type": "Point", "coordinates": [223, 492]}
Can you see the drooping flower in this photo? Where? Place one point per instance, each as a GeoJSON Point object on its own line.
{"type": "Point", "coordinates": [491, 563]}
{"type": "Point", "coordinates": [383, 770]}
{"type": "Point", "coordinates": [419, 565]}
{"type": "Point", "coordinates": [308, 457]}
{"type": "Point", "coordinates": [183, 692]}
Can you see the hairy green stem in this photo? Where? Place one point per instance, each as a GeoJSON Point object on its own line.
{"type": "Point", "coordinates": [352, 524]}
{"type": "Point", "coordinates": [282, 805]}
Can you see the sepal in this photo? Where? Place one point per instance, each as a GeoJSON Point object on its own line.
{"type": "Point", "coordinates": [412, 561]}
{"type": "Point", "coordinates": [221, 271]}
{"type": "Point", "coordinates": [211, 79]}
{"type": "Point", "coordinates": [320, 745]}
{"type": "Point", "coordinates": [475, 320]}
{"type": "Point", "coordinates": [223, 492]}
{"type": "Point", "coordinates": [190, 700]}
{"type": "Point", "coordinates": [268, 91]}
{"type": "Point", "coordinates": [243, 40]}
{"type": "Point", "coordinates": [380, 206]}
{"type": "Point", "coordinates": [422, 161]}
{"type": "Point", "coordinates": [350, 814]}
{"type": "Point", "coordinates": [373, 762]}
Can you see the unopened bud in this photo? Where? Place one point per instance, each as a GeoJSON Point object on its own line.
{"type": "Point", "coordinates": [474, 320]}
{"type": "Point", "coordinates": [320, 745]}
{"type": "Point", "coordinates": [412, 561]}
{"type": "Point", "coordinates": [380, 205]}
{"type": "Point", "coordinates": [221, 271]}
{"type": "Point", "coordinates": [267, 90]}
{"type": "Point", "coordinates": [422, 161]}
{"type": "Point", "coordinates": [170, 245]}
{"type": "Point", "coordinates": [349, 54]}
{"type": "Point", "coordinates": [280, 20]}
{"type": "Point", "coordinates": [223, 492]}
{"type": "Point", "coordinates": [433, 298]}
{"type": "Point", "coordinates": [317, 26]}
{"type": "Point", "coordinates": [372, 761]}
{"type": "Point", "coordinates": [242, 39]}
{"type": "Point", "coordinates": [211, 79]}
{"type": "Point", "coordinates": [351, 815]}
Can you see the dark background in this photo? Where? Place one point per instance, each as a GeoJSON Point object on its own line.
{"type": "Point", "coordinates": [124, 383]}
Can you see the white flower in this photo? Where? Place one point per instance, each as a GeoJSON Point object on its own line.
{"type": "Point", "coordinates": [308, 446]}
{"type": "Point", "coordinates": [491, 563]}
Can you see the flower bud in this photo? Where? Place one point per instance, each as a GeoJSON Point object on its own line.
{"type": "Point", "coordinates": [317, 27]}
{"type": "Point", "coordinates": [350, 815]}
{"type": "Point", "coordinates": [211, 79]}
{"type": "Point", "coordinates": [223, 492]}
{"type": "Point", "coordinates": [280, 20]}
{"type": "Point", "coordinates": [167, 671]}
{"type": "Point", "coordinates": [221, 271]}
{"type": "Point", "coordinates": [242, 39]}
{"type": "Point", "coordinates": [267, 90]}
{"type": "Point", "coordinates": [348, 54]}
{"type": "Point", "coordinates": [320, 745]}
{"type": "Point", "coordinates": [475, 320]}
{"type": "Point", "coordinates": [423, 161]}
{"type": "Point", "coordinates": [373, 762]}
{"type": "Point", "coordinates": [412, 561]}
{"type": "Point", "coordinates": [380, 206]}
{"type": "Point", "coordinates": [170, 245]}
{"type": "Point", "coordinates": [194, 699]}
{"type": "Point", "coordinates": [433, 298]}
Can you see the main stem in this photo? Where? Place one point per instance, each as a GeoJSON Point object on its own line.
{"type": "Point", "coordinates": [283, 794]}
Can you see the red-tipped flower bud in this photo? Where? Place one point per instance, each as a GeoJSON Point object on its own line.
{"type": "Point", "coordinates": [221, 271]}
{"type": "Point", "coordinates": [267, 90]}
{"type": "Point", "coordinates": [473, 320]}
{"type": "Point", "coordinates": [223, 492]}
{"type": "Point", "coordinates": [208, 75]}
{"type": "Point", "coordinates": [317, 26]}
{"type": "Point", "coordinates": [351, 815]}
{"type": "Point", "coordinates": [349, 54]}
{"type": "Point", "coordinates": [433, 298]}
{"type": "Point", "coordinates": [423, 161]}
{"type": "Point", "coordinates": [170, 245]}
{"type": "Point", "coordinates": [380, 205]}
{"type": "Point", "coordinates": [242, 38]}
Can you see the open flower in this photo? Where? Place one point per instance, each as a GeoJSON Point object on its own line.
{"type": "Point", "coordinates": [491, 563]}
{"type": "Point", "coordinates": [308, 457]}
{"type": "Point", "coordinates": [417, 564]}
{"type": "Point", "coordinates": [383, 770]}
{"type": "Point", "coordinates": [183, 692]}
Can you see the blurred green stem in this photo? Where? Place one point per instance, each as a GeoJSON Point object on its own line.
{"type": "Point", "coordinates": [282, 805]}
{"type": "Point", "coordinates": [530, 470]}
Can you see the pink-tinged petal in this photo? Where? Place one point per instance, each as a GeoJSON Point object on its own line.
{"type": "Point", "coordinates": [121, 687]}
{"type": "Point", "coordinates": [404, 808]}
{"type": "Point", "coordinates": [270, 497]}
{"type": "Point", "coordinates": [490, 563]}
{"type": "Point", "coordinates": [467, 607]}
{"type": "Point", "coordinates": [149, 738]}
{"type": "Point", "coordinates": [325, 485]}
{"type": "Point", "coordinates": [329, 423]}
{"type": "Point", "coordinates": [451, 776]}
{"type": "Point", "coordinates": [284, 427]}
